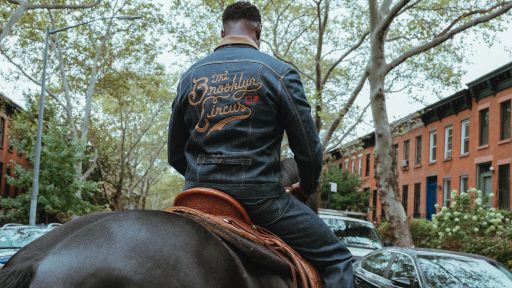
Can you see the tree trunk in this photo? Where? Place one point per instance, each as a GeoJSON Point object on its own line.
{"type": "Point", "coordinates": [387, 175]}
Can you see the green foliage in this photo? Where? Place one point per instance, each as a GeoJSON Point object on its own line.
{"type": "Point", "coordinates": [348, 196]}
{"type": "Point", "coordinates": [61, 193]}
{"type": "Point", "coordinates": [162, 194]}
{"type": "Point", "coordinates": [468, 225]}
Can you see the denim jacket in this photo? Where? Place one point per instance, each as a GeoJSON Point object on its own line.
{"type": "Point", "coordinates": [228, 119]}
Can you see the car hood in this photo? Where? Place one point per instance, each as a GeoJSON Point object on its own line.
{"type": "Point", "coordinates": [6, 254]}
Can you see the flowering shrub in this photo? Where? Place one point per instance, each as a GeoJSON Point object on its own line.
{"type": "Point", "coordinates": [468, 225]}
{"type": "Point", "coordinates": [471, 225]}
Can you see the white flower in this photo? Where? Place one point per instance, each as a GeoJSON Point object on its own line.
{"type": "Point", "coordinates": [444, 208]}
{"type": "Point", "coordinates": [456, 219]}
{"type": "Point", "coordinates": [478, 201]}
{"type": "Point", "coordinates": [434, 226]}
{"type": "Point", "coordinates": [448, 230]}
{"type": "Point", "coordinates": [466, 217]}
{"type": "Point", "coordinates": [476, 229]}
{"type": "Point", "coordinates": [450, 234]}
{"type": "Point", "coordinates": [436, 205]}
{"type": "Point", "coordinates": [474, 218]}
{"type": "Point", "coordinates": [456, 228]}
{"type": "Point", "coordinates": [491, 195]}
{"type": "Point", "coordinates": [463, 194]}
{"type": "Point", "coordinates": [454, 193]}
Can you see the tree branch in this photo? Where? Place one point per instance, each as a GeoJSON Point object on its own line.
{"type": "Point", "coordinates": [350, 50]}
{"type": "Point", "coordinates": [18, 66]}
{"type": "Point", "coordinates": [352, 127]}
{"type": "Point", "coordinates": [384, 23]}
{"type": "Point", "coordinates": [56, 6]}
{"type": "Point", "coordinates": [439, 40]}
{"type": "Point", "coordinates": [278, 56]}
{"type": "Point", "coordinates": [344, 110]}
{"type": "Point", "coordinates": [69, 107]}
{"type": "Point", "coordinates": [6, 30]}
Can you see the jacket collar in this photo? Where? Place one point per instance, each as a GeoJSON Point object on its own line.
{"type": "Point", "coordinates": [237, 39]}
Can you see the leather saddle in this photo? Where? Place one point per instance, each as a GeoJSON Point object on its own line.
{"type": "Point", "coordinates": [224, 216]}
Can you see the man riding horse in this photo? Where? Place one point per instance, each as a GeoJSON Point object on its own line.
{"type": "Point", "coordinates": [228, 119]}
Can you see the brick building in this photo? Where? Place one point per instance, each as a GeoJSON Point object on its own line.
{"type": "Point", "coordinates": [7, 152]}
{"type": "Point", "coordinates": [462, 141]}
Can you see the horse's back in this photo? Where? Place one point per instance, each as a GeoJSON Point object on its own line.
{"type": "Point", "coordinates": [135, 249]}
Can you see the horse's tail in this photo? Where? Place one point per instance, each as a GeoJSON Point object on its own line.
{"type": "Point", "coordinates": [17, 276]}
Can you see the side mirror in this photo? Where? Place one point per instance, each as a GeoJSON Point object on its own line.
{"type": "Point", "coordinates": [402, 282]}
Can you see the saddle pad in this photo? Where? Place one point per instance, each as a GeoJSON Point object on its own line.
{"type": "Point", "coordinates": [260, 245]}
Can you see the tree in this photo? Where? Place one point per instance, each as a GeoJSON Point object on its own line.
{"type": "Point", "coordinates": [347, 196]}
{"type": "Point", "coordinates": [58, 187]}
{"type": "Point", "coordinates": [23, 6]}
{"type": "Point", "coordinates": [131, 135]}
{"type": "Point", "coordinates": [401, 30]}
{"type": "Point", "coordinates": [80, 57]}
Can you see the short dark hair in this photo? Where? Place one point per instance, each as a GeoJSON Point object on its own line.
{"type": "Point", "coordinates": [241, 11]}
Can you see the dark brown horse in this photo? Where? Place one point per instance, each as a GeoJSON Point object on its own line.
{"type": "Point", "coordinates": [137, 249]}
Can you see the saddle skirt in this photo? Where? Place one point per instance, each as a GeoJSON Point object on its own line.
{"type": "Point", "coordinates": [222, 215]}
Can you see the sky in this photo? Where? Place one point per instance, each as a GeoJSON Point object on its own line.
{"type": "Point", "coordinates": [482, 60]}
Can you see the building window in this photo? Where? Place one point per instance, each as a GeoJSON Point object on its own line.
{"type": "Point", "coordinates": [360, 165]}
{"type": "Point", "coordinates": [405, 197]}
{"type": "Point", "coordinates": [367, 167]}
{"type": "Point", "coordinates": [418, 150]}
{"type": "Point", "coordinates": [1, 171]}
{"type": "Point", "coordinates": [446, 191]}
{"type": "Point", "coordinates": [406, 150]}
{"type": "Point", "coordinates": [346, 165]}
{"type": "Point", "coordinates": [353, 165]}
{"type": "Point", "coordinates": [484, 127]}
{"type": "Point", "coordinates": [417, 199]}
{"type": "Point", "coordinates": [448, 135]}
{"type": "Point", "coordinates": [433, 147]}
{"type": "Point", "coordinates": [504, 187]}
{"type": "Point", "coordinates": [464, 137]}
{"type": "Point", "coordinates": [505, 120]}
{"type": "Point", "coordinates": [2, 131]}
{"type": "Point", "coordinates": [395, 151]}
{"type": "Point", "coordinates": [463, 183]}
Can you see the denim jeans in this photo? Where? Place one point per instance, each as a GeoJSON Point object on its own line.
{"type": "Point", "coordinates": [305, 232]}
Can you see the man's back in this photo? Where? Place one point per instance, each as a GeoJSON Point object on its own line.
{"type": "Point", "coordinates": [235, 104]}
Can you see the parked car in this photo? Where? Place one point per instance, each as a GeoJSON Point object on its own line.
{"type": "Point", "coordinates": [13, 237]}
{"type": "Point", "coordinates": [429, 268]}
{"type": "Point", "coordinates": [359, 236]}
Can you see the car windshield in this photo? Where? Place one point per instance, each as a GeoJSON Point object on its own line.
{"type": "Point", "coordinates": [355, 234]}
{"type": "Point", "coordinates": [450, 271]}
{"type": "Point", "coordinates": [17, 238]}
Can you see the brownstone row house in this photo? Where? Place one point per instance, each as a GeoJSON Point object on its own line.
{"type": "Point", "coordinates": [8, 153]}
{"type": "Point", "coordinates": [462, 141]}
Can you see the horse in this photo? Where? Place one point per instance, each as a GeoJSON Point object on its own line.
{"type": "Point", "coordinates": [138, 248]}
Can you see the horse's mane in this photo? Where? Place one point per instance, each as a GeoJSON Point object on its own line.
{"type": "Point", "coordinates": [17, 276]}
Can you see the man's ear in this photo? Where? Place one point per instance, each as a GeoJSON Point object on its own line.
{"type": "Point", "coordinates": [258, 32]}
{"type": "Point", "coordinates": [222, 33]}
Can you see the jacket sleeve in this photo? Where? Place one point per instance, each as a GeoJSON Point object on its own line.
{"type": "Point", "coordinates": [177, 135]}
{"type": "Point", "coordinates": [300, 128]}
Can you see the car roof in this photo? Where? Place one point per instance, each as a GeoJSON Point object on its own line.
{"type": "Point", "coordinates": [413, 251]}
{"type": "Point", "coordinates": [333, 216]}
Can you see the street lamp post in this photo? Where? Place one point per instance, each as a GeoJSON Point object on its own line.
{"type": "Point", "coordinates": [37, 160]}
